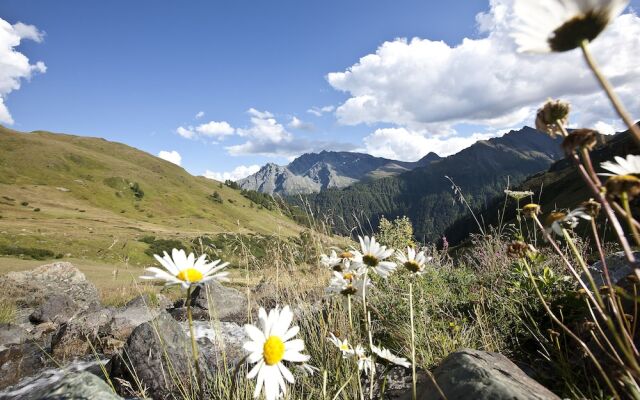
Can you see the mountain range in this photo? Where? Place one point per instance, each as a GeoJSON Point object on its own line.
{"type": "Point", "coordinates": [314, 172]}
{"type": "Point", "coordinates": [429, 195]}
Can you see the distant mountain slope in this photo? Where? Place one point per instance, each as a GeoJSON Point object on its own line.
{"type": "Point", "coordinates": [71, 189]}
{"type": "Point", "coordinates": [559, 187]}
{"type": "Point", "coordinates": [313, 172]}
{"type": "Point", "coordinates": [425, 195]}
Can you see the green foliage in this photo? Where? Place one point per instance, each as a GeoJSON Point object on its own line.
{"type": "Point", "coordinates": [7, 311]}
{"type": "Point", "coordinates": [397, 234]}
{"type": "Point", "coordinates": [215, 197]}
{"type": "Point", "coordinates": [26, 252]}
{"type": "Point", "coordinates": [231, 184]}
{"type": "Point", "coordinates": [158, 246]}
{"type": "Point", "coordinates": [137, 190]}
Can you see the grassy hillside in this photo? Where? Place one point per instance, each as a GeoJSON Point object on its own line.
{"type": "Point", "coordinates": [89, 198]}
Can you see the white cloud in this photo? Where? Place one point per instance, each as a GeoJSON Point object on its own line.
{"type": "Point", "coordinates": [297, 123]}
{"type": "Point", "coordinates": [407, 145]}
{"type": "Point", "coordinates": [419, 82]}
{"type": "Point", "coordinates": [200, 114]}
{"type": "Point", "coordinates": [171, 156]}
{"type": "Point", "coordinates": [607, 129]}
{"type": "Point", "coordinates": [212, 129]}
{"type": "Point", "coordinates": [15, 66]}
{"type": "Point", "coordinates": [319, 111]}
{"type": "Point", "coordinates": [238, 173]}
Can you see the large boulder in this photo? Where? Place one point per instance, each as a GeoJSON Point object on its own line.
{"type": "Point", "coordinates": [20, 360]}
{"type": "Point", "coordinates": [32, 288]}
{"type": "Point", "coordinates": [222, 303]}
{"type": "Point", "coordinates": [618, 268]}
{"type": "Point", "coordinates": [158, 355]}
{"type": "Point", "coordinates": [220, 342]}
{"type": "Point", "coordinates": [12, 334]}
{"type": "Point", "coordinates": [58, 308]}
{"type": "Point", "coordinates": [479, 375]}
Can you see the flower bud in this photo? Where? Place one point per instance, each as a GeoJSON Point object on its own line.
{"type": "Point", "coordinates": [580, 139]}
{"type": "Point", "coordinates": [553, 117]}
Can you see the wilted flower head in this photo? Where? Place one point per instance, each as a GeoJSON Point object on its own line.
{"type": "Point", "coordinates": [580, 139]}
{"type": "Point", "coordinates": [619, 185]}
{"type": "Point", "coordinates": [560, 220]}
{"type": "Point", "coordinates": [622, 166]}
{"type": "Point", "coordinates": [365, 363]}
{"type": "Point", "coordinates": [342, 345]}
{"type": "Point", "coordinates": [519, 249]}
{"type": "Point", "coordinates": [348, 283]}
{"type": "Point", "coordinates": [530, 210]}
{"type": "Point", "coordinates": [591, 207]}
{"type": "Point", "coordinates": [518, 195]}
{"type": "Point", "coordinates": [386, 357]}
{"type": "Point", "coordinates": [562, 25]}
{"type": "Point", "coordinates": [553, 117]}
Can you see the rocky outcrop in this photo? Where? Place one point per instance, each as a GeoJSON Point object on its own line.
{"type": "Point", "coordinates": [223, 303]}
{"type": "Point", "coordinates": [479, 375]}
{"type": "Point", "coordinates": [58, 308]}
{"type": "Point", "coordinates": [158, 355]}
{"type": "Point", "coordinates": [618, 268]}
{"type": "Point", "coordinates": [20, 360]}
{"type": "Point", "coordinates": [30, 289]}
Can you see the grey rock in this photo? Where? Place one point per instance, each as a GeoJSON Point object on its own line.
{"type": "Point", "coordinates": [76, 337]}
{"type": "Point", "coordinates": [19, 360]}
{"type": "Point", "coordinates": [153, 349]}
{"type": "Point", "coordinates": [33, 287]}
{"type": "Point", "coordinates": [227, 304]}
{"type": "Point", "coordinates": [12, 334]}
{"type": "Point", "coordinates": [58, 308]}
{"type": "Point", "coordinates": [220, 342]}
{"type": "Point", "coordinates": [479, 375]}
{"type": "Point", "coordinates": [149, 301]}
{"type": "Point", "coordinates": [617, 265]}
{"type": "Point", "coordinates": [73, 386]}
{"type": "Point", "coordinates": [81, 386]}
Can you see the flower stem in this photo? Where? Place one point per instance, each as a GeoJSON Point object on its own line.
{"type": "Point", "coordinates": [627, 209]}
{"type": "Point", "coordinates": [350, 315]}
{"type": "Point", "coordinates": [606, 86]}
{"type": "Point", "coordinates": [413, 344]}
{"type": "Point", "coordinates": [194, 345]}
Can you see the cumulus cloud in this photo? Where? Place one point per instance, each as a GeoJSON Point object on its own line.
{"type": "Point", "coordinates": [421, 84]}
{"type": "Point", "coordinates": [200, 114]}
{"type": "Point", "coordinates": [238, 173]}
{"type": "Point", "coordinates": [319, 111]}
{"type": "Point", "coordinates": [297, 123]}
{"type": "Point", "coordinates": [212, 129]}
{"type": "Point", "coordinates": [171, 156]}
{"type": "Point", "coordinates": [407, 145]}
{"type": "Point", "coordinates": [268, 137]}
{"type": "Point", "coordinates": [15, 66]}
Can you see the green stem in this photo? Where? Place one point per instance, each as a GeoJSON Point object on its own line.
{"type": "Point", "coordinates": [194, 345]}
{"type": "Point", "coordinates": [350, 315]}
{"type": "Point", "coordinates": [413, 344]}
{"type": "Point", "coordinates": [606, 86]}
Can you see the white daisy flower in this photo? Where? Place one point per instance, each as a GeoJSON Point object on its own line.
{"type": "Point", "coordinates": [560, 220]}
{"type": "Point", "coordinates": [348, 283]}
{"type": "Point", "coordinates": [561, 25]}
{"type": "Point", "coordinates": [269, 346]}
{"type": "Point", "coordinates": [388, 357]}
{"type": "Point", "coordinates": [330, 261]}
{"type": "Point", "coordinates": [186, 270]}
{"type": "Point", "coordinates": [622, 166]}
{"type": "Point", "coordinates": [414, 261]}
{"type": "Point", "coordinates": [365, 362]}
{"type": "Point", "coordinates": [373, 256]}
{"type": "Point", "coordinates": [342, 345]}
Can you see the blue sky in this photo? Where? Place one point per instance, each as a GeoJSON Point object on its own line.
{"type": "Point", "coordinates": [136, 71]}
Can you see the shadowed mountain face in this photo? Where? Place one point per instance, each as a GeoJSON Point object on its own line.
{"type": "Point", "coordinates": [311, 173]}
{"type": "Point", "coordinates": [559, 187]}
{"type": "Point", "coordinates": [425, 194]}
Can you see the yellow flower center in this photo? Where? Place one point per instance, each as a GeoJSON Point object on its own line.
{"type": "Point", "coordinates": [348, 276]}
{"type": "Point", "coordinates": [273, 350]}
{"type": "Point", "coordinates": [370, 260]}
{"type": "Point", "coordinates": [344, 347]}
{"type": "Point", "coordinates": [190, 275]}
{"type": "Point", "coordinates": [347, 254]}
{"type": "Point", "coordinates": [412, 266]}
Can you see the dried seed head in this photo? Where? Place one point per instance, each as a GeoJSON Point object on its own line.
{"type": "Point", "coordinates": [632, 278]}
{"type": "Point", "coordinates": [581, 293]}
{"type": "Point", "coordinates": [589, 325]}
{"type": "Point", "coordinates": [591, 207]}
{"type": "Point", "coordinates": [519, 249]}
{"type": "Point", "coordinates": [580, 139]}
{"type": "Point", "coordinates": [628, 317]}
{"type": "Point", "coordinates": [553, 333]}
{"type": "Point", "coordinates": [619, 184]}
{"type": "Point", "coordinates": [530, 210]}
{"type": "Point", "coordinates": [553, 117]}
